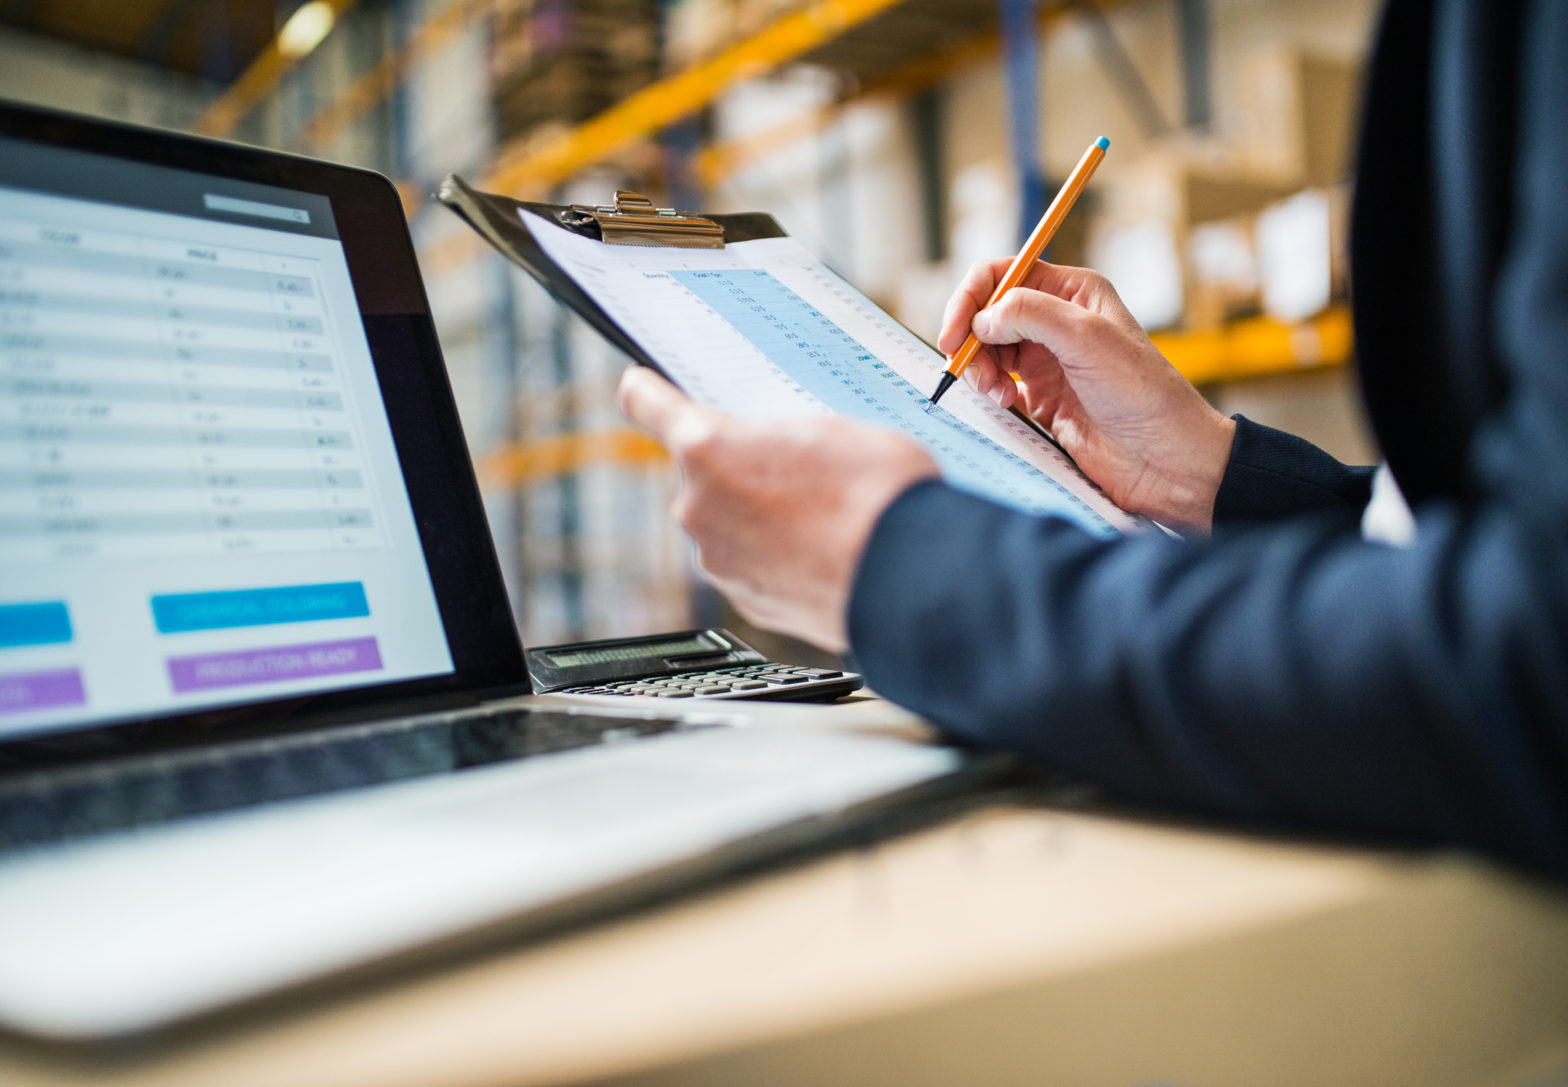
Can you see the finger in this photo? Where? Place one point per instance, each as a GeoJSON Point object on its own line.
{"type": "Point", "coordinates": [989, 374]}
{"type": "Point", "coordinates": [1041, 382]}
{"type": "Point", "coordinates": [1033, 362]}
{"type": "Point", "coordinates": [1080, 285]}
{"type": "Point", "coordinates": [1004, 391]}
{"type": "Point", "coordinates": [653, 404]}
{"type": "Point", "coordinates": [984, 370]}
{"type": "Point", "coordinates": [990, 355]}
{"type": "Point", "coordinates": [972, 293]}
{"type": "Point", "coordinates": [1000, 389]}
{"type": "Point", "coordinates": [996, 384]}
{"type": "Point", "coordinates": [1027, 315]}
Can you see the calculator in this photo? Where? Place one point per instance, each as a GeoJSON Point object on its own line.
{"type": "Point", "coordinates": [708, 663]}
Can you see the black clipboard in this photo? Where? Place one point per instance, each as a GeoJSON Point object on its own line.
{"type": "Point", "coordinates": [631, 220]}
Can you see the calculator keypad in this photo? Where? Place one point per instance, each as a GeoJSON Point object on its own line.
{"type": "Point", "coordinates": [744, 681]}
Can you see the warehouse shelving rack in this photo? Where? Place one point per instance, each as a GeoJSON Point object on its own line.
{"type": "Point", "coordinates": [889, 50]}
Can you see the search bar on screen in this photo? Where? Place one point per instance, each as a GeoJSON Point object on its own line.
{"type": "Point", "coordinates": [236, 206]}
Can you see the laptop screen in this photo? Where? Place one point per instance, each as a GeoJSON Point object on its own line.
{"type": "Point", "coordinates": [200, 495]}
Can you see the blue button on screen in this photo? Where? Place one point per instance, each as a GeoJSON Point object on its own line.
{"type": "Point", "coordinates": [181, 613]}
{"type": "Point", "coordinates": [34, 624]}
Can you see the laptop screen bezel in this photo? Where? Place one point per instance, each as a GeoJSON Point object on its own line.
{"type": "Point", "coordinates": [465, 572]}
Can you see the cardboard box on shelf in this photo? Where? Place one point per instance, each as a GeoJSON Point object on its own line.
{"type": "Point", "coordinates": [562, 61]}
{"type": "Point", "coordinates": [902, 34]}
{"type": "Point", "coordinates": [607, 36]}
{"type": "Point", "coordinates": [1297, 114]}
{"type": "Point", "coordinates": [1143, 262]}
{"type": "Point", "coordinates": [754, 106]}
{"type": "Point", "coordinates": [565, 89]}
{"type": "Point", "coordinates": [1185, 183]}
{"type": "Point", "coordinates": [983, 214]}
{"type": "Point", "coordinates": [533, 29]}
{"type": "Point", "coordinates": [695, 30]}
{"type": "Point", "coordinates": [1222, 272]}
{"type": "Point", "coordinates": [923, 292]}
{"type": "Point", "coordinates": [754, 16]}
{"type": "Point", "coordinates": [1303, 253]}
{"type": "Point", "coordinates": [1145, 241]}
{"type": "Point", "coordinates": [1070, 245]}
{"type": "Point", "coordinates": [1294, 266]}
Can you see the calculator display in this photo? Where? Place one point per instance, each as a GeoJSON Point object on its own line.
{"type": "Point", "coordinates": [605, 654]}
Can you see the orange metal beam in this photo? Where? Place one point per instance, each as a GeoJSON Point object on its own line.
{"type": "Point", "coordinates": [1259, 346]}
{"type": "Point", "coordinates": [561, 454]}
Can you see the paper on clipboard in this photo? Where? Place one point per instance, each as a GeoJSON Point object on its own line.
{"type": "Point", "coordinates": [762, 330]}
{"type": "Point", "coordinates": [754, 325]}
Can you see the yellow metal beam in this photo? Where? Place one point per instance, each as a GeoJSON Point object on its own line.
{"type": "Point", "coordinates": [524, 169]}
{"type": "Point", "coordinates": [254, 84]}
{"type": "Point", "coordinates": [1258, 346]}
{"type": "Point", "coordinates": [563, 454]}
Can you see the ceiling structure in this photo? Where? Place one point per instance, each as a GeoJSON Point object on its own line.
{"type": "Point", "coordinates": [214, 39]}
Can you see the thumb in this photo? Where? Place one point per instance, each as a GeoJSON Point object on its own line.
{"type": "Point", "coordinates": [652, 403]}
{"type": "Point", "coordinates": [1025, 314]}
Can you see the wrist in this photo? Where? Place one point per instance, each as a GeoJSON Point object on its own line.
{"type": "Point", "coordinates": [1191, 491]}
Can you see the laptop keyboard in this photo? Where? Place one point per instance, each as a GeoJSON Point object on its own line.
{"type": "Point", "coordinates": [49, 806]}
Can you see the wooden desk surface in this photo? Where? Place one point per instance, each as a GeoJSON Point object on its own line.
{"type": "Point", "coordinates": [1010, 945]}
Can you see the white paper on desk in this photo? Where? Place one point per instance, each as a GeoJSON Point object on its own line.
{"type": "Point", "coordinates": [762, 330]}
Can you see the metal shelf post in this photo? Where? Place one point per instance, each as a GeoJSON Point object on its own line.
{"type": "Point", "coordinates": [1021, 62]}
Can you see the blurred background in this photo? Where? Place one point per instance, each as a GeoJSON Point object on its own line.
{"type": "Point", "coordinates": [900, 139]}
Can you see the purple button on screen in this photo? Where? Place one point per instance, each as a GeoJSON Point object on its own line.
{"type": "Point", "coordinates": [279, 664]}
{"type": "Point", "coordinates": [41, 690]}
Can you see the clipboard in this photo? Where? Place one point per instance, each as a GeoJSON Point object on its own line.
{"type": "Point", "coordinates": [740, 316]}
{"type": "Point", "coordinates": [631, 219]}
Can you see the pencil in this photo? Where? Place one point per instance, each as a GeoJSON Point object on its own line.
{"type": "Point", "coordinates": [1039, 238]}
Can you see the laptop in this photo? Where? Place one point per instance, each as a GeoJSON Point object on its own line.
{"type": "Point", "coordinates": [265, 717]}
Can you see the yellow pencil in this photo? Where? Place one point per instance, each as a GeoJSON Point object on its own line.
{"type": "Point", "coordinates": [1038, 240]}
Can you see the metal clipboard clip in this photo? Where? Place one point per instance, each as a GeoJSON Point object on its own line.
{"type": "Point", "coordinates": [633, 220]}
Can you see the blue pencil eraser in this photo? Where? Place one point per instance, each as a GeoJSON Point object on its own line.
{"type": "Point", "coordinates": [1103, 144]}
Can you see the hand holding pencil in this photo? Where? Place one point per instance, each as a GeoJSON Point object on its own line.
{"type": "Point", "coordinates": [1038, 239]}
{"type": "Point", "coordinates": [1061, 346]}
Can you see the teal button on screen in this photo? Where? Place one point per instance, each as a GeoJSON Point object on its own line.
{"type": "Point", "coordinates": [181, 613]}
{"type": "Point", "coordinates": [34, 624]}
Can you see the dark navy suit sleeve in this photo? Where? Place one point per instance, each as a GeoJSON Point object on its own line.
{"type": "Point", "coordinates": [1289, 673]}
{"type": "Point", "coordinates": [1272, 474]}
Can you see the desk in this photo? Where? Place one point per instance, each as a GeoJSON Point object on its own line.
{"type": "Point", "coordinates": [1009, 945]}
